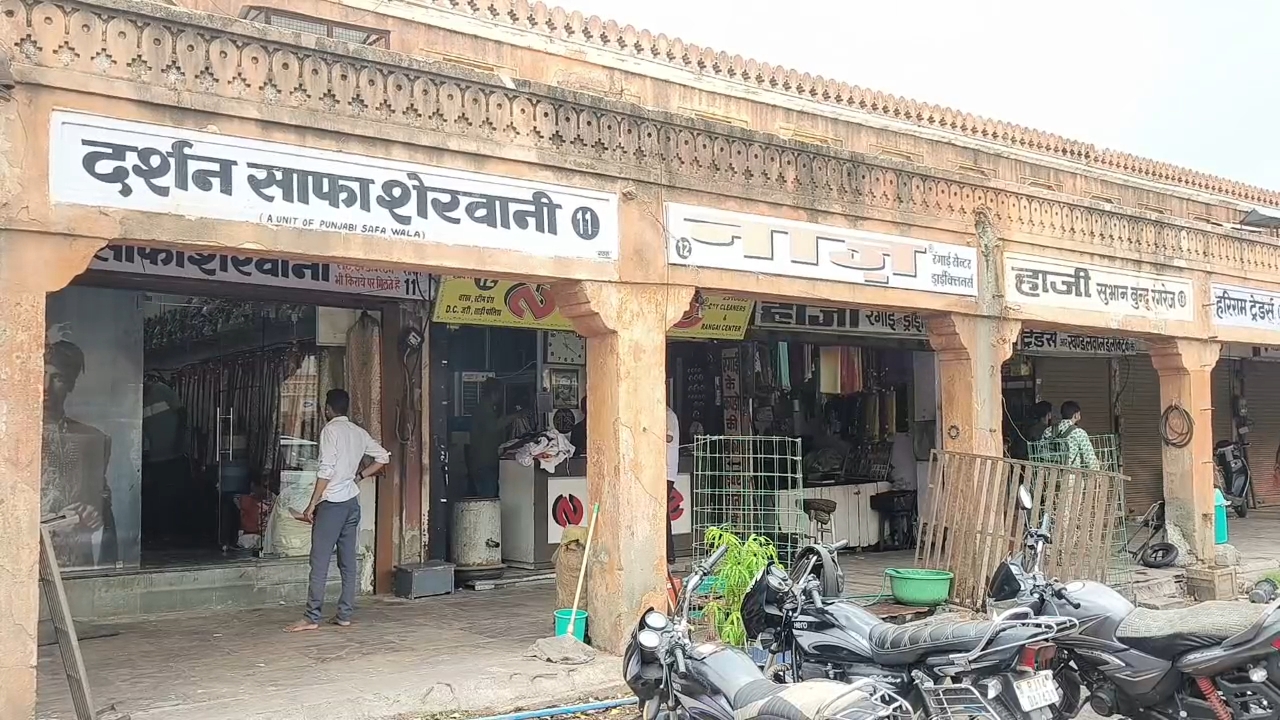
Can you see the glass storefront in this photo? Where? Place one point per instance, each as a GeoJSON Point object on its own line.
{"type": "Point", "coordinates": [183, 429]}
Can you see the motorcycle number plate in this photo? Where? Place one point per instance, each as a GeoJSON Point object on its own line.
{"type": "Point", "coordinates": [1037, 691]}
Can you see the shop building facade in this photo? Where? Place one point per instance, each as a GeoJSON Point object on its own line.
{"type": "Point", "coordinates": [625, 172]}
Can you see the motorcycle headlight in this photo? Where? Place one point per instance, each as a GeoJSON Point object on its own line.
{"type": "Point", "coordinates": [656, 621]}
{"type": "Point", "coordinates": [648, 640]}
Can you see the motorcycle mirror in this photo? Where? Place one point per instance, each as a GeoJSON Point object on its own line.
{"type": "Point", "coordinates": [1024, 497]}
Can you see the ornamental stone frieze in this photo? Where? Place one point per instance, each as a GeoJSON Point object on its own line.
{"type": "Point", "coordinates": [175, 53]}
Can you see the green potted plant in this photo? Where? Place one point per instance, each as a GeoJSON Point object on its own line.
{"type": "Point", "coordinates": [744, 560]}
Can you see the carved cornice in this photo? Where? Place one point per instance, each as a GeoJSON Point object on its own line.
{"type": "Point", "coordinates": [572, 26]}
{"type": "Point", "coordinates": [184, 52]}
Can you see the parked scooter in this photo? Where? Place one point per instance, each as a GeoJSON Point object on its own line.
{"type": "Point", "coordinates": [676, 680]}
{"type": "Point", "coordinates": [1233, 474]}
{"type": "Point", "coordinates": [999, 670]}
{"type": "Point", "coordinates": [1213, 661]}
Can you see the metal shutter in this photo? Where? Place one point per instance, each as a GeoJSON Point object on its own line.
{"type": "Point", "coordinates": [1262, 390]}
{"type": "Point", "coordinates": [1086, 380]}
{"type": "Point", "coordinates": [1220, 394]}
{"type": "Point", "coordinates": [1141, 453]}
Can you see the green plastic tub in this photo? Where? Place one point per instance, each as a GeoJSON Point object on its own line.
{"type": "Point", "coordinates": [919, 588]}
{"type": "Point", "coordinates": [579, 623]}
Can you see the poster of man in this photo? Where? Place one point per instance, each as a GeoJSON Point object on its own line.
{"type": "Point", "coordinates": [75, 457]}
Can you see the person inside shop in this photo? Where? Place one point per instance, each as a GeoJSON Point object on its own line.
{"type": "Point", "coordinates": [673, 468]}
{"type": "Point", "coordinates": [334, 510]}
{"type": "Point", "coordinates": [1077, 448]}
{"type": "Point", "coordinates": [488, 433]}
{"type": "Point", "coordinates": [578, 435]}
{"type": "Point", "coordinates": [1033, 432]}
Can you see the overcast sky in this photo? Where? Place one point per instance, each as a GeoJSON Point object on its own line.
{"type": "Point", "coordinates": [1190, 82]}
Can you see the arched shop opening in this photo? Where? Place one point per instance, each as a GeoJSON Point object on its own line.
{"type": "Point", "coordinates": [854, 387]}
{"type": "Point", "coordinates": [1118, 390]}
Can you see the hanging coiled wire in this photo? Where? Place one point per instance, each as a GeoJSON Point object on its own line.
{"type": "Point", "coordinates": [1176, 426]}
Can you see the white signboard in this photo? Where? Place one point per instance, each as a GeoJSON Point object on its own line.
{"type": "Point", "coordinates": [262, 270]}
{"type": "Point", "coordinates": [704, 237]}
{"type": "Point", "coordinates": [1052, 342]}
{"type": "Point", "coordinates": [852, 321]}
{"type": "Point", "coordinates": [105, 162]}
{"type": "Point", "coordinates": [567, 504]}
{"type": "Point", "coordinates": [1068, 285]}
{"type": "Point", "coordinates": [1235, 306]}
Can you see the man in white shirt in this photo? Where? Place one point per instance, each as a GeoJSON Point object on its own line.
{"type": "Point", "coordinates": [673, 467]}
{"type": "Point", "coordinates": [334, 511]}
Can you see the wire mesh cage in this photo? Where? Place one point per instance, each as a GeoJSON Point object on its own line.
{"type": "Point", "coordinates": [1071, 451]}
{"type": "Point", "coordinates": [749, 486]}
{"type": "Point", "coordinates": [747, 494]}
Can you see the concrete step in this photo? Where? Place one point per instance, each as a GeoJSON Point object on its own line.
{"type": "Point", "coordinates": [1166, 584]}
{"type": "Point", "coordinates": [1251, 571]}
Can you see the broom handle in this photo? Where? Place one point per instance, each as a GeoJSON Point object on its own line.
{"type": "Point", "coordinates": [582, 572]}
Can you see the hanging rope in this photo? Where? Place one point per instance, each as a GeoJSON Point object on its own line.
{"type": "Point", "coordinates": [1176, 426]}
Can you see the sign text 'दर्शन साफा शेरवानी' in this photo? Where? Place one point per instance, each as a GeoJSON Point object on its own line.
{"type": "Point", "coordinates": [1065, 285]}
{"type": "Point", "coordinates": [112, 163]}
{"type": "Point", "coordinates": [710, 238]}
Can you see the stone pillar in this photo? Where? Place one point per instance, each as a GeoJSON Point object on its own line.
{"type": "Point", "coordinates": [1185, 367]}
{"type": "Point", "coordinates": [30, 266]}
{"type": "Point", "coordinates": [626, 330]}
{"type": "Point", "coordinates": [970, 351]}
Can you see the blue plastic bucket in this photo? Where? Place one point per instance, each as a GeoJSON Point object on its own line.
{"type": "Point", "coordinates": [579, 624]}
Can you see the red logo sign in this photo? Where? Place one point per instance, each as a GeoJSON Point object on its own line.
{"type": "Point", "coordinates": [692, 317]}
{"type": "Point", "coordinates": [567, 510]}
{"type": "Point", "coordinates": [529, 302]}
{"type": "Point", "coordinates": [675, 503]}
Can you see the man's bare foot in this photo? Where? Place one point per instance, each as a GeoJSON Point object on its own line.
{"type": "Point", "coordinates": [301, 626]}
{"type": "Point", "coordinates": [340, 622]}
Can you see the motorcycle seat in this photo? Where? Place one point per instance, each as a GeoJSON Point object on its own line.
{"type": "Point", "coordinates": [1167, 634]}
{"type": "Point", "coordinates": [910, 643]}
{"type": "Point", "coordinates": [808, 700]}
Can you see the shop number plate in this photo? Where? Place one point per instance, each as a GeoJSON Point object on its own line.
{"type": "Point", "coordinates": [1036, 691]}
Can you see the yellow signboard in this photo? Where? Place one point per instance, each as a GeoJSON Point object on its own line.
{"type": "Point", "coordinates": [713, 317]}
{"type": "Point", "coordinates": [502, 303]}
{"type": "Point", "coordinates": [468, 301]}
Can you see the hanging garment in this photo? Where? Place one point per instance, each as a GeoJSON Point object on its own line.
{"type": "Point", "coordinates": [364, 374]}
{"type": "Point", "coordinates": [830, 367]}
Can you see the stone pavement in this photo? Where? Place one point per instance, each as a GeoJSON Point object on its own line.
{"type": "Point", "coordinates": [401, 659]}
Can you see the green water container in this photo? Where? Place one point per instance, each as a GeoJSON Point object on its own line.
{"type": "Point", "coordinates": [1220, 506]}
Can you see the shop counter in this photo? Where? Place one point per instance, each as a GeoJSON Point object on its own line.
{"type": "Point", "coordinates": [537, 506]}
{"type": "Point", "coordinates": [853, 519]}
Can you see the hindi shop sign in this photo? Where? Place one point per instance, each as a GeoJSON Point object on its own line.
{"type": "Point", "coordinates": [1052, 342]}
{"type": "Point", "coordinates": [854, 321]}
{"type": "Point", "coordinates": [705, 237]}
{"type": "Point", "coordinates": [263, 270]}
{"type": "Point", "coordinates": [1242, 307]}
{"type": "Point", "coordinates": [1067, 285]}
{"type": "Point", "coordinates": [105, 162]}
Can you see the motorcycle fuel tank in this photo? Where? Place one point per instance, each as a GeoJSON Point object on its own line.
{"type": "Point", "coordinates": [838, 632]}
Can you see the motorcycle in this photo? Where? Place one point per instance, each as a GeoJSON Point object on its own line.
{"type": "Point", "coordinates": [1233, 475]}
{"type": "Point", "coordinates": [674, 679]}
{"type": "Point", "coordinates": [991, 669]}
{"type": "Point", "coordinates": [1213, 661]}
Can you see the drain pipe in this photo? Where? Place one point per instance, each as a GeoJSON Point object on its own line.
{"type": "Point", "coordinates": [564, 710]}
